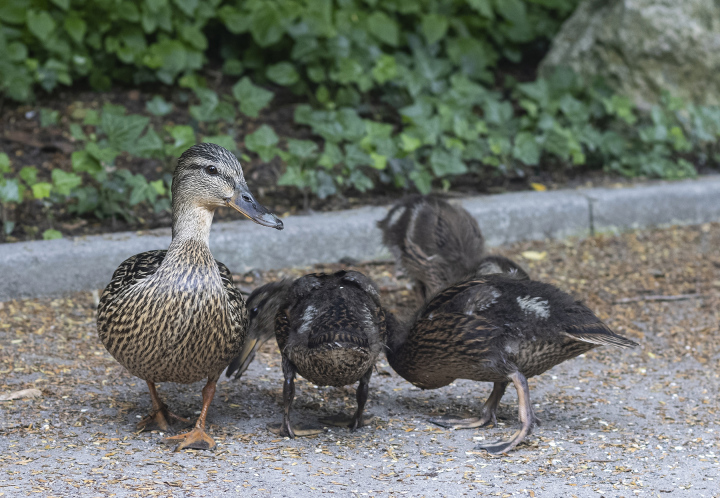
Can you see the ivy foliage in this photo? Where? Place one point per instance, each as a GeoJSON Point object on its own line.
{"type": "Point", "coordinates": [403, 93]}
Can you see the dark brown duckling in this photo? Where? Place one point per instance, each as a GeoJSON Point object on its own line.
{"type": "Point", "coordinates": [330, 329]}
{"type": "Point", "coordinates": [495, 328]}
{"type": "Point", "coordinates": [436, 243]}
{"type": "Point", "coordinates": [175, 315]}
{"type": "Point", "coordinates": [262, 304]}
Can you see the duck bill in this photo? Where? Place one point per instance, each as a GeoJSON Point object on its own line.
{"type": "Point", "coordinates": [244, 202]}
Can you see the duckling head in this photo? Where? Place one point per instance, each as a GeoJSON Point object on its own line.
{"type": "Point", "coordinates": [208, 177]}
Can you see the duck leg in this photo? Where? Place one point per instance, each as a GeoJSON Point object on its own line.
{"type": "Point", "coordinates": [158, 418]}
{"type": "Point", "coordinates": [487, 414]}
{"type": "Point", "coordinates": [286, 429]}
{"type": "Point", "coordinates": [525, 413]}
{"type": "Point", "coordinates": [357, 420]}
{"type": "Point", "coordinates": [198, 438]}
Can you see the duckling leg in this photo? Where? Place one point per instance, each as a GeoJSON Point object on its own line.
{"type": "Point", "coordinates": [525, 412]}
{"type": "Point", "coordinates": [158, 418]}
{"type": "Point", "coordinates": [198, 438]}
{"type": "Point", "coordinates": [286, 429]}
{"type": "Point", "coordinates": [487, 414]}
{"type": "Point", "coordinates": [357, 420]}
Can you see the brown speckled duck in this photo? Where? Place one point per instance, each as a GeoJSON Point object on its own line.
{"type": "Point", "coordinates": [495, 325]}
{"type": "Point", "coordinates": [262, 304]}
{"type": "Point", "coordinates": [330, 329]}
{"type": "Point", "coordinates": [175, 315]}
{"type": "Point", "coordinates": [436, 243]}
{"type": "Point", "coordinates": [494, 328]}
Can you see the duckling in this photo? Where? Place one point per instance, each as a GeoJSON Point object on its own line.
{"type": "Point", "coordinates": [330, 329]}
{"type": "Point", "coordinates": [263, 304]}
{"type": "Point", "coordinates": [175, 315]}
{"type": "Point", "coordinates": [495, 328]}
{"type": "Point", "coordinates": [436, 243]}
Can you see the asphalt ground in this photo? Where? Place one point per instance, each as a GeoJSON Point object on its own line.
{"type": "Point", "coordinates": [639, 422]}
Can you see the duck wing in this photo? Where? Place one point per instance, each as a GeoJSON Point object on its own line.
{"type": "Point", "coordinates": [130, 272]}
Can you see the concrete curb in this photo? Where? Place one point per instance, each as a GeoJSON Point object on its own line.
{"type": "Point", "coordinates": [46, 268]}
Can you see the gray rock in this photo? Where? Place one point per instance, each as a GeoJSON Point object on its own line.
{"type": "Point", "coordinates": [642, 47]}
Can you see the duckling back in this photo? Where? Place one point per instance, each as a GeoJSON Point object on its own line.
{"type": "Point", "coordinates": [435, 242]}
{"type": "Point", "coordinates": [331, 327]}
{"type": "Point", "coordinates": [488, 327]}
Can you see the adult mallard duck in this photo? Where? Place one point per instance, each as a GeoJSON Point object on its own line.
{"type": "Point", "coordinates": [436, 243]}
{"type": "Point", "coordinates": [262, 304]}
{"type": "Point", "coordinates": [175, 315]}
{"type": "Point", "coordinates": [330, 329]}
{"type": "Point", "coordinates": [494, 328]}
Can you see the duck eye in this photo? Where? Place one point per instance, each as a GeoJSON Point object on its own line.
{"type": "Point", "coordinates": [211, 170]}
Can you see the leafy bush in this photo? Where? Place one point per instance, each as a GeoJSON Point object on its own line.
{"type": "Point", "coordinates": [402, 92]}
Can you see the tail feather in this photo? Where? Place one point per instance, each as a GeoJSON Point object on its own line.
{"type": "Point", "coordinates": [599, 333]}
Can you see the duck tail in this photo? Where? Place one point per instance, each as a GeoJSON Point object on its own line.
{"type": "Point", "coordinates": [599, 333]}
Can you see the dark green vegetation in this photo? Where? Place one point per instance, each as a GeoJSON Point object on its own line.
{"type": "Point", "coordinates": [406, 94]}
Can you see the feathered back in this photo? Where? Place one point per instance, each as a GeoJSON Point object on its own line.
{"type": "Point", "coordinates": [435, 242]}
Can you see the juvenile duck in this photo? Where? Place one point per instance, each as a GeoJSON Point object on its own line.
{"type": "Point", "coordinates": [263, 304]}
{"type": "Point", "coordinates": [175, 315]}
{"type": "Point", "coordinates": [330, 329]}
{"type": "Point", "coordinates": [436, 243]}
{"type": "Point", "coordinates": [495, 328]}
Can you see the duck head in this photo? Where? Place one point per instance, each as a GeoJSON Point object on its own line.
{"type": "Point", "coordinates": [209, 176]}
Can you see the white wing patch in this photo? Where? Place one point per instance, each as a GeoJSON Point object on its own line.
{"type": "Point", "coordinates": [397, 214]}
{"type": "Point", "coordinates": [307, 318]}
{"type": "Point", "coordinates": [535, 305]}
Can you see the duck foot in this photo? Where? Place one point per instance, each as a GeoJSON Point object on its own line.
{"type": "Point", "coordinates": [500, 447]}
{"type": "Point", "coordinates": [342, 420]}
{"type": "Point", "coordinates": [450, 422]}
{"type": "Point", "coordinates": [196, 439]}
{"type": "Point", "coordinates": [299, 430]}
{"type": "Point", "coordinates": [159, 420]}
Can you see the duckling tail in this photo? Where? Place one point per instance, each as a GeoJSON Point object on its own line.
{"type": "Point", "coordinates": [599, 333]}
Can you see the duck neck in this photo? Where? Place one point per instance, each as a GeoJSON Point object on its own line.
{"type": "Point", "coordinates": [191, 224]}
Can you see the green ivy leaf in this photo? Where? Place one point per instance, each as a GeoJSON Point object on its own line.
{"type": "Point", "coordinates": [159, 187]}
{"type": "Point", "coordinates": [434, 27]}
{"type": "Point", "coordinates": [41, 190]}
{"type": "Point", "coordinates": [149, 145]}
{"type": "Point", "coordinates": [41, 24]}
{"type": "Point", "coordinates": [303, 149]}
{"type": "Point", "coordinates": [252, 98]}
{"type": "Point", "coordinates": [236, 22]}
{"type": "Point", "coordinates": [63, 182]}
{"type": "Point", "coordinates": [385, 69]}
{"type": "Point", "coordinates": [266, 24]}
{"type": "Point", "coordinates": [444, 163]}
{"type": "Point", "coordinates": [384, 28]}
{"type": "Point", "coordinates": [10, 190]}
{"type": "Point", "coordinates": [225, 141]}
{"type": "Point", "coordinates": [123, 131]}
{"type": "Point", "coordinates": [158, 106]}
{"type": "Point", "coordinates": [4, 163]}
{"type": "Point", "coordinates": [82, 161]}
{"type": "Point", "coordinates": [187, 6]}
{"type": "Point", "coordinates": [28, 174]}
{"type": "Point", "coordinates": [526, 149]}
{"type": "Point", "coordinates": [75, 27]}
{"type": "Point", "coordinates": [282, 73]}
{"type": "Point", "coordinates": [51, 234]}
{"type": "Point", "coordinates": [378, 161]}
{"type": "Point", "coordinates": [409, 143]}
{"type": "Point", "coordinates": [262, 141]}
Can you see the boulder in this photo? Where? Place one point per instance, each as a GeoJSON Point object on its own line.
{"type": "Point", "coordinates": [643, 47]}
